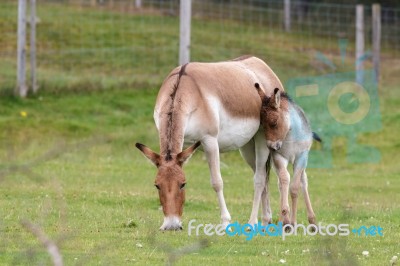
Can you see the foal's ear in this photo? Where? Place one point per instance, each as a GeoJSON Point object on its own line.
{"type": "Point", "coordinates": [260, 91]}
{"type": "Point", "coordinates": [151, 155]}
{"type": "Point", "coordinates": [277, 98]}
{"type": "Point", "coordinates": [186, 154]}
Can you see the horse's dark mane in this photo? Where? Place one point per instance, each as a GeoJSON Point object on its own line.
{"type": "Point", "coordinates": [299, 110]}
{"type": "Point", "coordinates": [170, 114]}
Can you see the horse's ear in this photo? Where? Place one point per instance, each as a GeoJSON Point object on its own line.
{"type": "Point", "coordinates": [186, 154]}
{"type": "Point", "coordinates": [151, 155]}
{"type": "Point", "coordinates": [277, 98]}
{"type": "Point", "coordinates": [260, 91]}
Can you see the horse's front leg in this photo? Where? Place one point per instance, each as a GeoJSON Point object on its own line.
{"type": "Point", "coordinates": [211, 149]}
{"type": "Point", "coordinates": [260, 175]}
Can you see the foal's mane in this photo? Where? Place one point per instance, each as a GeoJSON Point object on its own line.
{"type": "Point", "coordinates": [286, 96]}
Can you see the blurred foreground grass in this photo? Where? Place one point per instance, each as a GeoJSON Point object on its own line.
{"type": "Point", "coordinates": [68, 164]}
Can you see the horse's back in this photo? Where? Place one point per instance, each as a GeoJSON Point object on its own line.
{"type": "Point", "coordinates": [218, 99]}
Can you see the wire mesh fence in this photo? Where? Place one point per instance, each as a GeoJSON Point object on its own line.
{"type": "Point", "coordinates": [118, 43]}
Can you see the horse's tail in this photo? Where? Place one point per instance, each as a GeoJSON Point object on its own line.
{"type": "Point", "coordinates": [316, 137]}
{"type": "Point", "coordinates": [268, 167]}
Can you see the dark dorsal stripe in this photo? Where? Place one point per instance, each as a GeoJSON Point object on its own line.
{"type": "Point", "coordinates": [241, 58]}
{"type": "Point", "coordinates": [168, 156]}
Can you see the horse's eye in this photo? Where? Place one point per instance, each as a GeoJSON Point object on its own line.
{"type": "Point", "coordinates": [182, 185]}
{"type": "Point", "coordinates": [157, 186]}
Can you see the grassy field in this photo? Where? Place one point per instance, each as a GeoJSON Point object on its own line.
{"type": "Point", "coordinates": [68, 164]}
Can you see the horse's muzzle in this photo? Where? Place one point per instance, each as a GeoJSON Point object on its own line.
{"type": "Point", "coordinates": [171, 223]}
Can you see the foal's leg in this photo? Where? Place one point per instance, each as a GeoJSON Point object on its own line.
{"type": "Point", "coordinates": [294, 192]}
{"type": "Point", "coordinates": [211, 148]}
{"type": "Point", "coordinates": [300, 179]}
{"type": "Point", "coordinates": [310, 211]}
{"type": "Point", "coordinates": [280, 165]}
{"type": "Point", "coordinates": [262, 153]}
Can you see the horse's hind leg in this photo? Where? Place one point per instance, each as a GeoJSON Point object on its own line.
{"type": "Point", "coordinates": [265, 205]}
{"type": "Point", "coordinates": [260, 174]}
{"type": "Point", "coordinates": [248, 153]}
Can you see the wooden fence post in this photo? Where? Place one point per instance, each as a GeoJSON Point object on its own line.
{"type": "Point", "coordinates": [287, 15]}
{"type": "Point", "coordinates": [33, 46]}
{"type": "Point", "coordinates": [138, 4]}
{"type": "Point", "coordinates": [376, 38]}
{"type": "Point", "coordinates": [359, 43]}
{"type": "Point", "coordinates": [184, 40]}
{"type": "Point", "coordinates": [21, 88]}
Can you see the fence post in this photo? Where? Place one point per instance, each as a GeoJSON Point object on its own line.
{"type": "Point", "coordinates": [287, 15]}
{"type": "Point", "coordinates": [21, 88]}
{"type": "Point", "coordinates": [184, 41]}
{"type": "Point", "coordinates": [33, 46]}
{"type": "Point", "coordinates": [376, 38]}
{"type": "Point", "coordinates": [359, 43]}
{"type": "Point", "coordinates": [138, 4]}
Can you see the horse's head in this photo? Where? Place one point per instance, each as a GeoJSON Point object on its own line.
{"type": "Point", "coordinates": [274, 117]}
{"type": "Point", "coordinates": [170, 183]}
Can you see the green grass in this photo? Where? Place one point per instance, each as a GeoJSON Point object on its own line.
{"type": "Point", "coordinates": [71, 167]}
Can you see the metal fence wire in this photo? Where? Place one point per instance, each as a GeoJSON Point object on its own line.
{"type": "Point", "coordinates": [113, 38]}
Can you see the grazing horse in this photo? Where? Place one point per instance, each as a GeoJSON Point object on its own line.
{"type": "Point", "coordinates": [213, 104]}
{"type": "Point", "coordinates": [289, 136]}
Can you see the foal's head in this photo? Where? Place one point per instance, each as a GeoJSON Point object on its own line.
{"type": "Point", "coordinates": [170, 183]}
{"type": "Point", "coordinates": [274, 117]}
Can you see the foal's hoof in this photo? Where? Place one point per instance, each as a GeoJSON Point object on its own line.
{"type": "Point", "coordinates": [288, 229]}
{"type": "Point", "coordinates": [313, 221]}
{"type": "Point", "coordinates": [286, 221]}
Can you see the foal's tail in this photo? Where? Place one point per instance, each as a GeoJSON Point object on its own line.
{"type": "Point", "coordinates": [316, 137]}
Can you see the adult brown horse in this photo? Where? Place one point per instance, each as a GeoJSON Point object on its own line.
{"type": "Point", "coordinates": [215, 105]}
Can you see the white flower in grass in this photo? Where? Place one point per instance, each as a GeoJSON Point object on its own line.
{"type": "Point", "coordinates": [365, 253]}
{"type": "Point", "coordinates": [282, 261]}
{"type": "Point", "coordinates": [393, 261]}
{"type": "Point", "coordinates": [139, 245]}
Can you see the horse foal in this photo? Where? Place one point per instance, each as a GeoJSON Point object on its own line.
{"type": "Point", "coordinates": [289, 137]}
